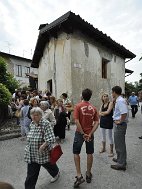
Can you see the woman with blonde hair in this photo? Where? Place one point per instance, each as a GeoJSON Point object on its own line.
{"type": "Point", "coordinates": [33, 104]}
{"type": "Point", "coordinates": [53, 103]}
{"type": "Point", "coordinates": [106, 123]}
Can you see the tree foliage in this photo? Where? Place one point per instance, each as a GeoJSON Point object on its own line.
{"type": "Point", "coordinates": [8, 83]}
{"type": "Point", "coordinates": [133, 87]}
{"type": "Point", "coordinates": [5, 95]}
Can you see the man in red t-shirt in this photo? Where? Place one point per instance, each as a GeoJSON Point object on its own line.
{"type": "Point", "coordinates": [87, 121]}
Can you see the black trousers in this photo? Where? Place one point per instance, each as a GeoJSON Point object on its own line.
{"type": "Point", "coordinates": [134, 110]}
{"type": "Point", "coordinates": [33, 172]}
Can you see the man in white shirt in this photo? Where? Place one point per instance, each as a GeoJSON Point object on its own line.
{"type": "Point", "coordinates": [120, 118]}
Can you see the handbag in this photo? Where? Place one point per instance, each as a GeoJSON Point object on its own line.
{"type": "Point", "coordinates": [55, 154]}
{"type": "Point", "coordinates": [18, 113]}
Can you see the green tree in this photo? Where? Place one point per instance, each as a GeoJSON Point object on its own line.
{"type": "Point", "coordinates": [3, 69]}
{"type": "Point", "coordinates": [5, 95]}
{"type": "Point", "coordinates": [129, 88]}
{"type": "Point", "coordinates": [6, 78]}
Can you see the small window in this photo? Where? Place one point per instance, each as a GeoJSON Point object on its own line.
{"type": "Point", "coordinates": [27, 69]}
{"type": "Point", "coordinates": [104, 68]}
{"type": "Point", "coordinates": [49, 85]}
{"type": "Point", "coordinates": [19, 70]}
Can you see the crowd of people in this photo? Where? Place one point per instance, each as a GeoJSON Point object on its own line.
{"type": "Point", "coordinates": [56, 111]}
{"type": "Point", "coordinates": [43, 118]}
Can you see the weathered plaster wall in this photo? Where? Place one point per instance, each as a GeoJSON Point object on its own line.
{"type": "Point", "coordinates": [24, 80]}
{"type": "Point", "coordinates": [86, 59]}
{"type": "Point", "coordinates": [12, 68]}
{"type": "Point", "coordinates": [56, 65]}
{"type": "Point", "coordinates": [73, 62]}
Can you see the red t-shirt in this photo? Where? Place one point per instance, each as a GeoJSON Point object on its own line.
{"type": "Point", "coordinates": [86, 113]}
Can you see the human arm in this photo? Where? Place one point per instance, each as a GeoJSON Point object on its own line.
{"type": "Point", "coordinates": [49, 136]}
{"type": "Point", "coordinates": [94, 127]}
{"type": "Point", "coordinates": [79, 126]}
{"type": "Point", "coordinates": [129, 99]}
{"type": "Point", "coordinates": [100, 111]}
{"type": "Point", "coordinates": [52, 119]}
{"type": "Point", "coordinates": [122, 119]}
{"type": "Point", "coordinates": [77, 121]}
{"type": "Point", "coordinates": [138, 101]}
{"type": "Point", "coordinates": [110, 107]}
{"type": "Point", "coordinates": [123, 108]}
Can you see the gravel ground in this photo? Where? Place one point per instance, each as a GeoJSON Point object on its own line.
{"type": "Point", "coordinates": [13, 167]}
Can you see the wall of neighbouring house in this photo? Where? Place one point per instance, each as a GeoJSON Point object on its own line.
{"type": "Point", "coordinates": [24, 80]}
{"type": "Point", "coordinates": [55, 65]}
{"type": "Point", "coordinates": [86, 61]}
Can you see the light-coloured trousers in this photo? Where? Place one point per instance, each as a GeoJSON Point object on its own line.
{"type": "Point", "coordinates": [103, 135]}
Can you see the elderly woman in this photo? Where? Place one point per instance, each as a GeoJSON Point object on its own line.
{"type": "Point", "coordinates": [37, 152]}
{"type": "Point", "coordinates": [47, 113]}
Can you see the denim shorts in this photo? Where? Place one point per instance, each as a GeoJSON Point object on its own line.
{"type": "Point", "coordinates": [78, 142]}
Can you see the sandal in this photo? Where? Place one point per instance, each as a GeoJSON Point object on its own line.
{"type": "Point", "coordinates": [79, 180]}
{"type": "Point", "coordinates": [88, 178]}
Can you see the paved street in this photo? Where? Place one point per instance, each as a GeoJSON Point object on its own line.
{"type": "Point", "coordinates": [13, 168]}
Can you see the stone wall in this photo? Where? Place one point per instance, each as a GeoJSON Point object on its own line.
{"type": "Point", "coordinates": [73, 62]}
{"type": "Point", "coordinates": [55, 65]}
{"type": "Point", "coordinates": [86, 60]}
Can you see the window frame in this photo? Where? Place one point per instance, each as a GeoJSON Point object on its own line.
{"type": "Point", "coordinates": [104, 68]}
{"type": "Point", "coordinates": [27, 68]}
{"type": "Point", "coordinates": [19, 70]}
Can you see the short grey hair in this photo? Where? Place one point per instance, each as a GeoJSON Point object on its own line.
{"type": "Point", "coordinates": [45, 104]}
{"type": "Point", "coordinates": [36, 110]}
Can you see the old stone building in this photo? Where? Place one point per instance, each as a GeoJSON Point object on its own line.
{"type": "Point", "coordinates": [71, 55]}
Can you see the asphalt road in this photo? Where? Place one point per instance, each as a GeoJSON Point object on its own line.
{"type": "Point", "coordinates": [13, 167]}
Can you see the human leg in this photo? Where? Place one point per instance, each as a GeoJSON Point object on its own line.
{"type": "Point", "coordinates": [89, 151]}
{"type": "Point", "coordinates": [52, 169]}
{"type": "Point", "coordinates": [77, 145]}
{"type": "Point", "coordinates": [103, 136]}
{"type": "Point", "coordinates": [110, 142]}
{"type": "Point", "coordinates": [68, 124]}
{"type": "Point", "coordinates": [32, 175]}
{"type": "Point", "coordinates": [120, 146]}
{"type": "Point", "coordinates": [133, 111]}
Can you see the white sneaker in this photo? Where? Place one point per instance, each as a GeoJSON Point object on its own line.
{"type": "Point", "coordinates": [55, 178]}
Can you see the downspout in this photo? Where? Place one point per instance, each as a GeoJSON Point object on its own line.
{"type": "Point", "coordinates": [54, 65]}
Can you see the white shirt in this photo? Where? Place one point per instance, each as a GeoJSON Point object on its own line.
{"type": "Point", "coordinates": [120, 108]}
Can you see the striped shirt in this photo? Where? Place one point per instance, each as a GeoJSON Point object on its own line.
{"type": "Point", "coordinates": [35, 138]}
